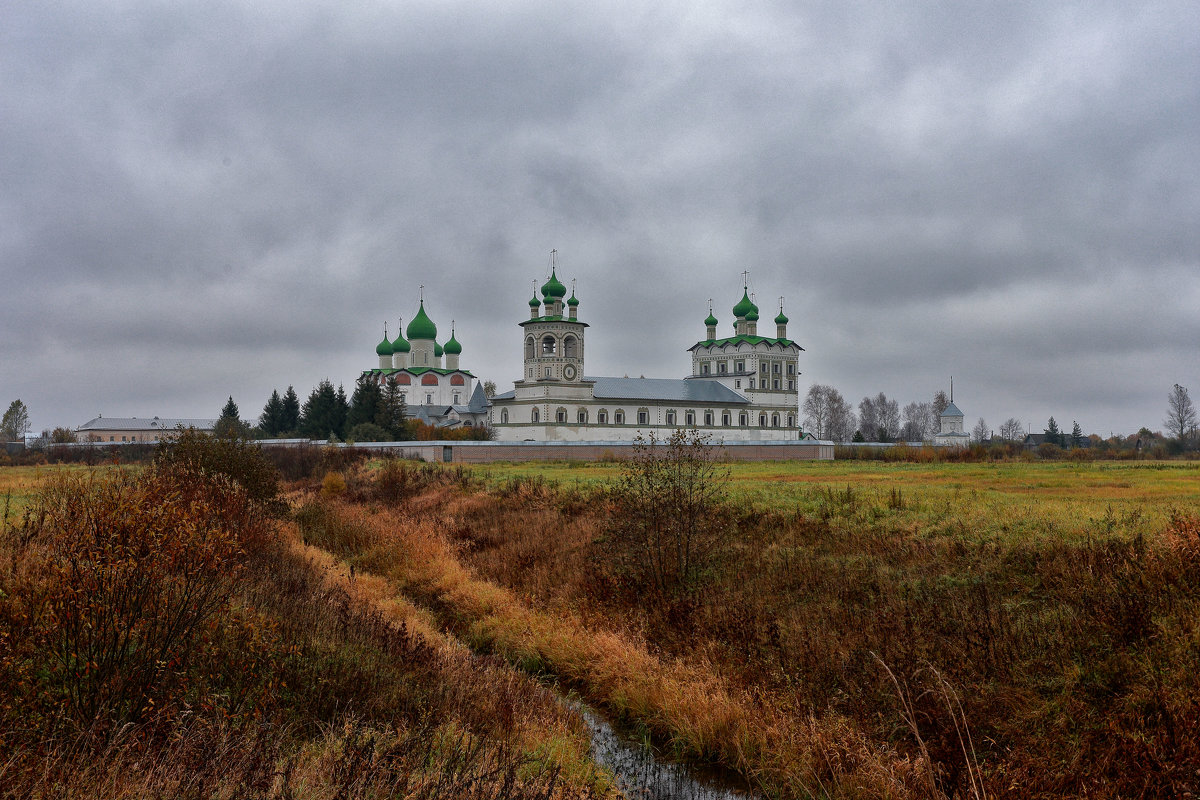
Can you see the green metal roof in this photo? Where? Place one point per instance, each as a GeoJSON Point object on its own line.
{"type": "Point", "coordinates": [554, 287]}
{"type": "Point", "coordinates": [416, 371]}
{"type": "Point", "coordinates": [384, 348]}
{"type": "Point", "coordinates": [438, 351]}
{"type": "Point", "coordinates": [452, 346]}
{"type": "Point", "coordinates": [401, 345]}
{"type": "Point", "coordinates": [534, 302]}
{"type": "Point", "coordinates": [422, 326]}
{"type": "Point", "coordinates": [572, 301]}
{"type": "Point", "coordinates": [752, 316]}
{"type": "Point", "coordinates": [744, 305]}
{"type": "Point", "coordinates": [553, 318]}
{"type": "Point", "coordinates": [710, 320]}
{"type": "Point", "coordinates": [746, 340]}
{"type": "Point", "coordinates": [781, 319]}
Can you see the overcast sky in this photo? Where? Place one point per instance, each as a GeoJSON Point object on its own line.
{"type": "Point", "coordinates": [208, 199]}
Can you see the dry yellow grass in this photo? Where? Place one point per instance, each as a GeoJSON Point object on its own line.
{"type": "Point", "coordinates": [687, 705]}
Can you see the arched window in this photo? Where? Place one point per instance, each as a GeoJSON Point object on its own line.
{"type": "Point", "coordinates": [602, 417]}
{"type": "Point", "coordinates": [458, 380]}
{"type": "Point", "coordinates": [581, 416]}
{"type": "Point", "coordinates": [619, 417]}
{"type": "Point", "coordinates": [535, 417]}
{"type": "Point", "coordinates": [762, 420]}
{"type": "Point", "coordinates": [570, 347]}
{"type": "Point", "coordinates": [560, 416]}
{"type": "Point", "coordinates": [549, 345]}
{"type": "Point", "coordinates": [504, 416]}
{"type": "Point", "coordinates": [529, 345]}
{"type": "Point", "coordinates": [775, 420]}
{"type": "Point", "coordinates": [429, 379]}
{"type": "Point", "coordinates": [403, 379]}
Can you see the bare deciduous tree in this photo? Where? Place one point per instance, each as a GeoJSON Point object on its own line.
{"type": "Point", "coordinates": [940, 401]}
{"type": "Point", "coordinates": [980, 431]}
{"type": "Point", "coordinates": [826, 414]}
{"type": "Point", "coordinates": [918, 422]}
{"type": "Point", "coordinates": [669, 516]}
{"type": "Point", "coordinates": [842, 420]}
{"type": "Point", "coordinates": [1181, 414]}
{"type": "Point", "coordinates": [1012, 430]}
{"type": "Point", "coordinates": [879, 418]}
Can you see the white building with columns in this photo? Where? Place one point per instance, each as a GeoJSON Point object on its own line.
{"type": "Point", "coordinates": [742, 387]}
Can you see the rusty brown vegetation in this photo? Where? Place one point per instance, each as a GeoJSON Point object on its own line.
{"type": "Point", "coordinates": [882, 658]}
{"type": "Point", "coordinates": [163, 634]}
{"type": "Point", "coordinates": [166, 633]}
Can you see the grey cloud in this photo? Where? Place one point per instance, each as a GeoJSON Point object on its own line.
{"type": "Point", "coordinates": [240, 194]}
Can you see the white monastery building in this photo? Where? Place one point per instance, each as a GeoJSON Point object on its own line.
{"type": "Point", "coordinates": [434, 392]}
{"type": "Point", "coordinates": [741, 387]}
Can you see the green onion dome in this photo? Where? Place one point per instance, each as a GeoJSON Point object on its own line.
{"type": "Point", "coordinates": [744, 305]}
{"type": "Point", "coordinates": [534, 302]}
{"type": "Point", "coordinates": [384, 348]}
{"type": "Point", "coordinates": [781, 319]}
{"type": "Point", "coordinates": [572, 301]}
{"type": "Point", "coordinates": [554, 287]}
{"type": "Point", "coordinates": [422, 326]}
{"type": "Point", "coordinates": [453, 347]}
{"type": "Point", "coordinates": [438, 352]}
{"type": "Point", "coordinates": [752, 316]}
{"type": "Point", "coordinates": [710, 320]}
{"type": "Point", "coordinates": [401, 344]}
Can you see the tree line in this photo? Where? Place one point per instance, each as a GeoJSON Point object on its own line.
{"type": "Point", "coordinates": [373, 413]}
{"type": "Point", "coordinates": [828, 415]}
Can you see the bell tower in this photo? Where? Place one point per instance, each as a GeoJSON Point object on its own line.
{"type": "Point", "coordinates": [553, 341]}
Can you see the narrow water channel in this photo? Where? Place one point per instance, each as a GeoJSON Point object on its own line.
{"type": "Point", "coordinates": [643, 776]}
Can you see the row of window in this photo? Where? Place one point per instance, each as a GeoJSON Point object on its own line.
{"type": "Point", "coordinates": [774, 420]}
{"type": "Point", "coordinates": [763, 384]}
{"type": "Point", "coordinates": [765, 367]}
{"type": "Point", "coordinates": [428, 379]}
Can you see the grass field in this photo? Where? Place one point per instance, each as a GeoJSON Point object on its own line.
{"type": "Point", "coordinates": [19, 484]}
{"type": "Point", "coordinates": [1058, 500]}
{"type": "Point", "coordinates": [866, 629]}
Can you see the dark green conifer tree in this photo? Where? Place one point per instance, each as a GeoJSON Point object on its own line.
{"type": "Point", "coordinates": [1053, 434]}
{"type": "Point", "coordinates": [392, 412]}
{"type": "Point", "coordinates": [229, 425]}
{"type": "Point", "coordinates": [290, 420]}
{"type": "Point", "coordinates": [320, 418]}
{"type": "Point", "coordinates": [342, 411]}
{"type": "Point", "coordinates": [365, 403]}
{"type": "Point", "coordinates": [271, 419]}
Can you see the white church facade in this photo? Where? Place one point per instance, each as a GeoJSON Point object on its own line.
{"type": "Point", "coordinates": [742, 387]}
{"type": "Point", "coordinates": [436, 389]}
